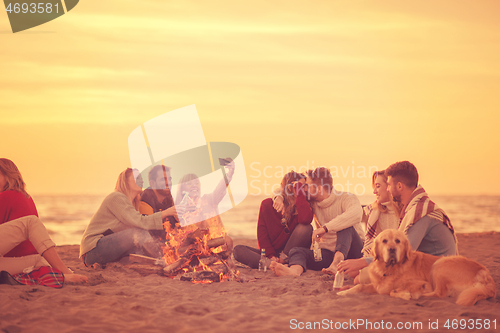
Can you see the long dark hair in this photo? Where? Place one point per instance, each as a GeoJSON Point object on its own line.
{"type": "Point", "coordinates": [288, 194]}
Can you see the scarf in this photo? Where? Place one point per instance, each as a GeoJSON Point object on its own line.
{"type": "Point", "coordinates": [371, 226]}
{"type": "Point", "coordinates": [421, 205]}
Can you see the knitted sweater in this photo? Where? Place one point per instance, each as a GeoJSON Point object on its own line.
{"type": "Point", "coordinates": [271, 234]}
{"type": "Point", "coordinates": [339, 211]}
{"type": "Point", "coordinates": [13, 205]}
{"type": "Point", "coordinates": [116, 213]}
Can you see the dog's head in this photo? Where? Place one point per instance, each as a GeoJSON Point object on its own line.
{"type": "Point", "coordinates": [392, 247]}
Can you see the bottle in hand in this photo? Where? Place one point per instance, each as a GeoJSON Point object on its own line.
{"type": "Point", "coordinates": [263, 260]}
{"type": "Point", "coordinates": [317, 252]}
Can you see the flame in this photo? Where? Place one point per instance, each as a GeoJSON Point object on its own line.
{"type": "Point", "coordinates": [212, 228]}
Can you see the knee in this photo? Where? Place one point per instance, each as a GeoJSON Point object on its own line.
{"type": "Point", "coordinates": [303, 231]}
{"type": "Point", "coordinates": [237, 251]}
{"type": "Point", "coordinates": [30, 221]}
{"type": "Point", "coordinates": [304, 228]}
{"type": "Point", "coordinates": [140, 236]}
{"type": "Point", "coordinates": [296, 250]}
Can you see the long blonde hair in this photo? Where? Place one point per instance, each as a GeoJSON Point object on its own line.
{"type": "Point", "coordinates": [186, 178]}
{"type": "Point", "coordinates": [13, 177]}
{"type": "Point", "coordinates": [122, 186]}
{"type": "Point", "coordinates": [378, 205]}
{"type": "Point", "coordinates": [289, 195]}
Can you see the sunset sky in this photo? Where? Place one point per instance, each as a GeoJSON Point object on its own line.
{"type": "Point", "coordinates": [342, 84]}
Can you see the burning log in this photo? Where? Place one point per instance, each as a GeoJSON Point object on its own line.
{"type": "Point", "coordinates": [189, 243]}
{"type": "Point", "coordinates": [216, 242]}
{"type": "Point", "coordinates": [207, 261]}
{"type": "Point", "coordinates": [202, 276]}
{"type": "Point", "coordinates": [190, 251]}
{"type": "Point", "coordinates": [176, 265]}
{"type": "Point", "coordinates": [197, 257]}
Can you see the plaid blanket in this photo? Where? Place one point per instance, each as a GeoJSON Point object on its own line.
{"type": "Point", "coordinates": [44, 276]}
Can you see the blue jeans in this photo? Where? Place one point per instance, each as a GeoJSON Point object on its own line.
{"type": "Point", "coordinates": [348, 242]}
{"type": "Point", "coordinates": [119, 244]}
{"type": "Point", "coordinates": [300, 237]}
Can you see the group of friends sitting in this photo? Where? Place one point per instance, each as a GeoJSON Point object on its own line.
{"type": "Point", "coordinates": [285, 224]}
{"type": "Point", "coordinates": [131, 220]}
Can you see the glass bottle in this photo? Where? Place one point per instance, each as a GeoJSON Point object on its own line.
{"type": "Point", "coordinates": [263, 261]}
{"type": "Point", "coordinates": [339, 280]}
{"type": "Point", "coordinates": [184, 203]}
{"type": "Point", "coordinates": [317, 252]}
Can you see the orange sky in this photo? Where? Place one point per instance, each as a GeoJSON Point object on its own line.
{"type": "Point", "coordinates": [336, 83]}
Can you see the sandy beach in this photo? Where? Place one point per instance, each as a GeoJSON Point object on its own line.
{"type": "Point", "coordinates": [122, 298]}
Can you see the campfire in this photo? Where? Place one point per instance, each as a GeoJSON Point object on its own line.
{"type": "Point", "coordinates": [198, 253]}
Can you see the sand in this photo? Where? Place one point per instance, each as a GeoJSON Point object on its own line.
{"type": "Point", "coordinates": [120, 298]}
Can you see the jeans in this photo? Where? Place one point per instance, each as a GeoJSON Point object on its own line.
{"type": "Point", "coordinates": [120, 244]}
{"type": "Point", "coordinates": [300, 237]}
{"type": "Point", "coordinates": [348, 242]}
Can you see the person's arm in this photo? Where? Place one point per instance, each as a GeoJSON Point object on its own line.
{"type": "Point", "coordinates": [145, 209]}
{"type": "Point", "coordinates": [305, 213]}
{"type": "Point", "coordinates": [220, 190]}
{"type": "Point", "coordinates": [351, 215]}
{"type": "Point", "coordinates": [263, 238]}
{"type": "Point", "coordinates": [55, 261]}
{"type": "Point", "coordinates": [5, 207]}
{"type": "Point", "coordinates": [352, 267]}
{"type": "Point", "coordinates": [123, 210]}
{"type": "Point", "coordinates": [417, 232]}
{"type": "Point", "coordinates": [278, 200]}
{"type": "Point", "coordinates": [278, 204]}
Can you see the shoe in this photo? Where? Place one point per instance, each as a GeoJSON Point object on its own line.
{"type": "Point", "coordinates": [6, 278]}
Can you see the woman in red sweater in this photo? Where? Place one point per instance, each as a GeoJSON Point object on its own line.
{"type": "Point", "coordinates": [18, 226]}
{"type": "Point", "coordinates": [279, 232]}
{"type": "Point", "coordinates": [15, 202]}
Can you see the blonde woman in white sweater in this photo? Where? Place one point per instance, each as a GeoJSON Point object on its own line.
{"type": "Point", "coordinates": [379, 216]}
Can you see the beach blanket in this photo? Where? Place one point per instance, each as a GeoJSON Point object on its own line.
{"type": "Point", "coordinates": [43, 276]}
{"type": "Point", "coordinates": [421, 205]}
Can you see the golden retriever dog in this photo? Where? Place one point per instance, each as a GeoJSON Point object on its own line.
{"type": "Point", "coordinates": [401, 272]}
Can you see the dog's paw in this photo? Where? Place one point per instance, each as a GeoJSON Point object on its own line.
{"type": "Point", "coordinates": [406, 295]}
{"type": "Point", "coordinates": [343, 292]}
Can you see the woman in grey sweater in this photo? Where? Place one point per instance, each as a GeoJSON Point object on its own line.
{"type": "Point", "coordinates": [118, 229]}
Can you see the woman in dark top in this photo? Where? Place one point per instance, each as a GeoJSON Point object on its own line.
{"type": "Point", "coordinates": [279, 232]}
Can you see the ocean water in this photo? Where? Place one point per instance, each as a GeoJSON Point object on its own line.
{"type": "Point", "coordinates": [66, 216]}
